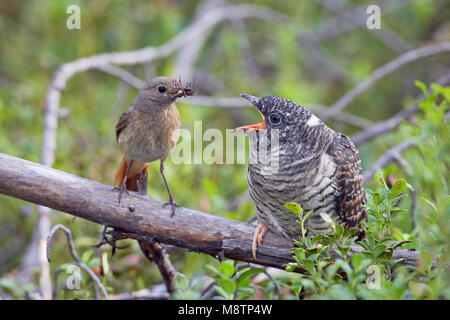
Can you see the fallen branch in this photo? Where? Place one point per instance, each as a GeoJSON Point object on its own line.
{"type": "Point", "coordinates": [143, 218]}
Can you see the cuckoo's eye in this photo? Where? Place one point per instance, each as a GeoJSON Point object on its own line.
{"type": "Point", "coordinates": [161, 89]}
{"type": "Point", "coordinates": [275, 118]}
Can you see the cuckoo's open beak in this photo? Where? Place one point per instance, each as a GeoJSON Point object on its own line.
{"type": "Point", "coordinates": [258, 126]}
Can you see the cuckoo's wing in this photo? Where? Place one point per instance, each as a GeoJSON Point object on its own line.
{"type": "Point", "coordinates": [351, 198]}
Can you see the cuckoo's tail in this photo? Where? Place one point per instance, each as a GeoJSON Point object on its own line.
{"type": "Point", "coordinates": [133, 176]}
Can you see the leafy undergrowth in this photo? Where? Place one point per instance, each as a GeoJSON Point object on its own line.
{"type": "Point", "coordinates": [399, 216]}
{"type": "Point", "coordinates": [328, 271]}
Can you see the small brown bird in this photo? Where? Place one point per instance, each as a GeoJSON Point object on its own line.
{"type": "Point", "coordinates": [317, 167]}
{"type": "Point", "coordinates": [147, 131]}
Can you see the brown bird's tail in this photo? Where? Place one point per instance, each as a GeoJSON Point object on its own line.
{"type": "Point", "coordinates": [133, 176]}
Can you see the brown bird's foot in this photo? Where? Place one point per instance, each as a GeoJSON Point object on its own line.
{"type": "Point", "coordinates": [122, 189]}
{"type": "Point", "coordinates": [110, 237]}
{"type": "Point", "coordinates": [260, 231]}
{"type": "Point", "coordinates": [173, 204]}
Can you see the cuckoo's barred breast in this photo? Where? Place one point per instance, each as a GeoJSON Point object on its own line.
{"type": "Point", "coordinates": [318, 168]}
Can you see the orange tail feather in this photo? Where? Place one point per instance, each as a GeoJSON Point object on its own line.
{"type": "Point", "coordinates": [133, 176]}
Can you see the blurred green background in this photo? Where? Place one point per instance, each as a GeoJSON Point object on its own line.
{"type": "Point", "coordinates": [302, 60]}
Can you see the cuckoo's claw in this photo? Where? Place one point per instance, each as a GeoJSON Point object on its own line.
{"type": "Point", "coordinates": [258, 236]}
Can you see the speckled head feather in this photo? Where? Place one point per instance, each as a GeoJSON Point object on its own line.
{"type": "Point", "coordinates": [294, 122]}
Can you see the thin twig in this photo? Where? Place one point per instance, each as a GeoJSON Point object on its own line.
{"type": "Point", "coordinates": [387, 158]}
{"type": "Point", "coordinates": [156, 253]}
{"type": "Point", "coordinates": [235, 102]}
{"type": "Point", "coordinates": [387, 36]}
{"type": "Point", "coordinates": [75, 256]}
{"type": "Point", "coordinates": [188, 54]}
{"type": "Point", "coordinates": [392, 123]}
{"type": "Point", "coordinates": [122, 74]}
{"type": "Point", "coordinates": [144, 294]}
{"type": "Point", "coordinates": [337, 25]}
{"type": "Point", "coordinates": [384, 70]}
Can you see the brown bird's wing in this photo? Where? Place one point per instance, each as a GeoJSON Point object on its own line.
{"type": "Point", "coordinates": [123, 121]}
{"type": "Point", "coordinates": [137, 168]}
{"type": "Point", "coordinates": [351, 198]}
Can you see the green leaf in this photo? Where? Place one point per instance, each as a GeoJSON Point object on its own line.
{"type": "Point", "coordinates": [244, 283]}
{"type": "Point", "coordinates": [228, 285]}
{"type": "Point", "coordinates": [297, 287]}
{"type": "Point", "coordinates": [339, 230]}
{"type": "Point", "coordinates": [86, 255]}
{"type": "Point", "coordinates": [308, 265]}
{"type": "Point", "coordinates": [357, 259]}
{"type": "Point", "coordinates": [396, 244]}
{"type": "Point", "coordinates": [422, 86]}
{"type": "Point", "coordinates": [398, 187]}
{"type": "Point", "coordinates": [379, 177]}
{"type": "Point", "coordinates": [221, 292]}
{"type": "Point", "coordinates": [397, 199]}
{"type": "Point", "coordinates": [431, 204]}
{"type": "Point", "coordinates": [211, 268]}
{"type": "Point", "coordinates": [294, 207]}
{"type": "Point", "coordinates": [248, 273]}
{"type": "Point", "coordinates": [227, 268]}
{"type": "Point", "coordinates": [350, 232]}
{"type": "Point", "coordinates": [290, 267]}
{"type": "Point", "coordinates": [93, 262]}
{"type": "Point", "coordinates": [379, 249]}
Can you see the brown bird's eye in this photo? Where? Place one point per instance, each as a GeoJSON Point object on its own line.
{"type": "Point", "coordinates": [161, 89]}
{"type": "Point", "coordinates": [274, 118]}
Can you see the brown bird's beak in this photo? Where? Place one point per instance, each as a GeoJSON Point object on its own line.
{"type": "Point", "coordinates": [258, 126]}
{"type": "Point", "coordinates": [182, 92]}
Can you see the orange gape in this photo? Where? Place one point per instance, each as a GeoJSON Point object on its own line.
{"type": "Point", "coordinates": [133, 176]}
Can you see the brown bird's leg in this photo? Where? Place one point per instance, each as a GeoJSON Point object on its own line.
{"type": "Point", "coordinates": [171, 202]}
{"type": "Point", "coordinates": [142, 183]}
{"type": "Point", "coordinates": [260, 231]}
{"type": "Point", "coordinates": [123, 186]}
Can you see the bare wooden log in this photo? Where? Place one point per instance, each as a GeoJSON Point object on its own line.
{"type": "Point", "coordinates": [143, 218]}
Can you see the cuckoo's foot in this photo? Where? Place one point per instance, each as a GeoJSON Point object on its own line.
{"type": "Point", "coordinates": [258, 236]}
{"type": "Point", "coordinates": [173, 204]}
